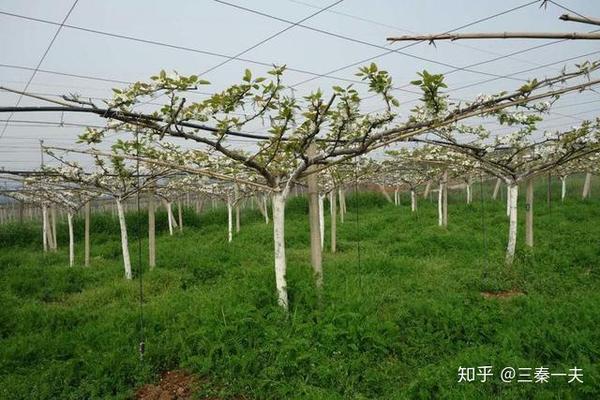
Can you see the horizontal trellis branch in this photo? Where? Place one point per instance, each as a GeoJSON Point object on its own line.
{"type": "Point", "coordinates": [197, 171]}
{"type": "Point", "coordinates": [121, 115]}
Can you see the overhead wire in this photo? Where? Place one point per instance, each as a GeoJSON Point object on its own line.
{"type": "Point", "coordinates": [39, 64]}
{"type": "Point", "coordinates": [366, 43]}
{"type": "Point", "coordinates": [271, 37]}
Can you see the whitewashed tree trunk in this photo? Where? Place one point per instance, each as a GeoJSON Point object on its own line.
{"type": "Point", "coordinates": [87, 235]}
{"type": "Point", "coordinates": [342, 201]}
{"type": "Point", "coordinates": [383, 190]}
{"type": "Point", "coordinates": [333, 212]}
{"type": "Point", "coordinates": [45, 227]}
{"type": "Point", "coordinates": [508, 194]}
{"type": "Point", "coordinates": [266, 207]}
{"type": "Point", "coordinates": [322, 219]}
{"type": "Point", "coordinates": [279, 243]}
{"type": "Point", "coordinates": [443, 201]}
{"type": "Point", "coordinates": [441, 205]}
{"type": "Point", "coordinates": [396, 197]}
{"type": "Point", "coordinates": [563, 190]}
{"type": "Point", "coordinates": [50, 237]}
{"type": "Point", "coordinates": [170, 217]}
{"type": "Point", "coordinates": [124, 240]}
{"type": "Point", "coordinates": [529, 213]}
{"type": "Point", "coordinates": [427, 189]}
{"type": "Point", "coordinates": [229, 221]}
{"type": "Point", "coordinates": [53, 218]}
{"type": "Point", "coordinates": [496, 188]}
{"type": "Point", "coordinates": [469, 193]}
{"type": "Point", "coordinates": [513, 193]}
{"type": "Point", "coordinates": [180, 215]}
{"type": "Point", "coordinates": [586, 186]}
{"type": "Point", "coordinates": [314, 219]}
{"type": "Point", "coordinates": [413, 200]}
{"type": "Point", "coordinates": [71, 239]}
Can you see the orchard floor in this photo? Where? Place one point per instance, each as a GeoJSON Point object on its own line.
{"type": "Point", "coordinates": [402, 307]}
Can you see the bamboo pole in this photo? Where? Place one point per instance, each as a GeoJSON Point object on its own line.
{"type": "Point", "coordinates": [583, 20]}
{"type": "Point", "coordinates": [496, 35]}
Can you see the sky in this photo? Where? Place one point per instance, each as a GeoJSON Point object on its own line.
{"type": "Point", "coordinates": [90, 54]}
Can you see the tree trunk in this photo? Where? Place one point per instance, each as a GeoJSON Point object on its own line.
{"type": "Point", "coordinates": [314, 217]}
{"type": "Point", "coordinates": [586, 186]}
{"type": "Point", "coordinates": [342, 200]}
{"type": "Point", "coordinates": [513, 192]}
{"type": "Point", "coordinates": [180, 215]}
{"type": "Point", "coordinates": [469, 193]}
{"type": "Point", "coordinates": [563, 190]}
{"type": "Point", "coordinates": [266, 207]}
{"type": "Point", "coordinates": [441, 204]}
{"type": "Point", "coordinates": [151, 232]}
{"type": "Point", "coordinates": [333, 212]}
{"type": "Point", "coordinates": [87, 234]}
{"type": "Point", "coordinates": [385, 193]}
{"type": "Point", "coordinates": [322, 219]}
{"type": "Point", "coordinates": [237, 210]}
{"type": "Point", "coordinates": [508, 194]}
{"type": "Point", "coordinates": [496, 188]}
{"type": "Point", "coordinates": [124, 240]}
{"type": "Point", "coordinates": [170, 217]}
{"type": "Point", "coordinates": [427, 189]}
{"type": "Point", "coordinates": [395, 197]}
{"type": "Point", "coordinates": [53, 217]}
{"type": "Point", "coordinates": [237, 217]}
{"type": "Point", "coordinates": [229, 221]}
{"type": "Point", "coordinates": [529, 213]}
{"type": "Point", "coordinates": [71, 239]}
{"type": "Point", "coordinates": [45, 227]}
{"type": "Point", "coordinates": [413, 200]}
{"type": "Point", "coordinates": [279, 244]}
{"type": "Point", "coordinates": [445, 200]}
{"type": "Point", "coordinates": [50, 239]}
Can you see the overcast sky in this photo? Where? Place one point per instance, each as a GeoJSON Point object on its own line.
{"type": "Point", "coordinates": [207, 33]}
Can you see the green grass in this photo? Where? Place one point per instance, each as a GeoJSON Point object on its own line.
{"type": "Point", "coordinates": [395, 323]}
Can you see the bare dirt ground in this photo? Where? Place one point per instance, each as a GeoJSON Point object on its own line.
{"type": "Point", "coordinates": [173, 385]}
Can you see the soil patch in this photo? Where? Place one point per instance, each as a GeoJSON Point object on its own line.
{"type": "Point", "coordinates": [173, 385]}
